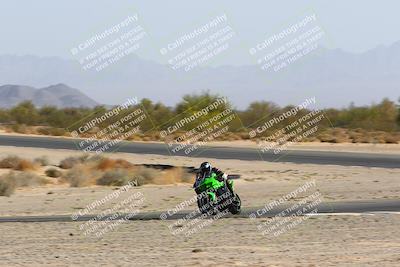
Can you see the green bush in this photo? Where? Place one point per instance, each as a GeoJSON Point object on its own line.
{"type": "Point", "coordinates": [384, 116]}
{"type": "Point", "coordinates": [53, 172]}
{"type": "Point", "coordinates": [20, 128]}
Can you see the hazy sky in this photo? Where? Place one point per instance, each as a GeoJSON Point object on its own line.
{"type": "Point", "coordinates": [52, 28]}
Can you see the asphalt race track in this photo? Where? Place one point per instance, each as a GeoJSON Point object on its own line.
{"type": "Point", "coordinates": [308, 157]}
{"type": "Point", "coordinates": [372, 206]}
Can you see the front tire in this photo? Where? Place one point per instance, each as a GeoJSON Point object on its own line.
{"type": "Point", "coordinates": [235, 207]}
{"type": "Point", "coordinates": [204, 204]}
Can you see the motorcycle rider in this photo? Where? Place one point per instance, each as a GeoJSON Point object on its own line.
{"type": "Point", "coordinates": [206, 170]}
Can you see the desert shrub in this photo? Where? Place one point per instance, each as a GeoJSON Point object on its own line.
{"type": "Point", "coordinates": [70, 162]}
{"type": "Point", "coordinates": [94, 159]}
{"type": "Point", "coordinates": [16, 163]}
{"type": "Point", "coordinates": [81, 175]}
{"type": "Point", "coordinates": [53, 172]}
{"type": "Point", "coordinates": [10, 181]}
{"type": "Point", "coordinates": [244, 135]}
{"type": "Point", "coordinates": [355, 136]}
{"type": "Point", "coordinates": [42, 161]}
{"type": "Point", "coordinates": [335, 135]}
{"type": "Point", "coordinates": [26, 179]}
{"type": "Point", "coordinates": [107, 163]}
{"type": "Point", "coordinates": [228, 136]}
{"type": "Point", "coordinates": [25, 165]}
{"type": "Point", "coordinates": [7, 186]}
{"type": "Point", "coordinates": [384, 116]}
{"type": "Point", "coordinates": [186, 177]}
{"type": "Point", "coordinates": [145, 175]}
{"type": "Point", "coordinates": [362, 136]}
{"type": "Point", "coordinates": [391, 139]}
{"type": "Point", "coordinates": [147, 138]}
{"type": "Point", "coordinates": [76, 177]}
{"type": "Point", "coordinates": [172, 176]}
{"type": "Point", "coordinates": [377, 137]}
{"type": "Point", "coordinates": [51, 131]}
{"type": "Point", "coordinates": [154, 136]}
{"type": "Point", "coordinates": [191, 104]}
{"type": "Point", "coordinates": [257, 110]}
{"type": "Point", "coordinates": [135, 137]}
{"type": "Point", "coordinates": [25, 113]}
{"type": "Point", "coordinates": [20, 128]}
{"type": "Point", "coordinates": [326, 137]}
{"type": "Point", "coordinates": [5, 116]}
{"type": "Point", "coordinates": [10, 162]}
{"type": "Point", "coordinates": [116, 177]}
{"type": "Point", "coordinates": [158, 112]}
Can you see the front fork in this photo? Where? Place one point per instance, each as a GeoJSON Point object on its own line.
{"type": "Point", "coordinates": [229, 183]}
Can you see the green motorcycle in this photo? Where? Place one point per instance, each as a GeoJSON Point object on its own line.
{"type": "Point", "coordinates": [214, 195]}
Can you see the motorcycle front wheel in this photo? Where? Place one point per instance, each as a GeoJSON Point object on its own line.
{"type": "Point", "coordinates": [235, 207]}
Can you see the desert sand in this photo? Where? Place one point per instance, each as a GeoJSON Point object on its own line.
{"type": "Point", "coordinates": [368, 240]}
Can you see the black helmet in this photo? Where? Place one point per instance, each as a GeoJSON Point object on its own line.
{"type": "Point", "coordinates": [205, 169]}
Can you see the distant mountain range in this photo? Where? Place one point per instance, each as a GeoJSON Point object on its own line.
{"type": "Point", "coordinates": [59, 95]}
{"type": "Point", "coordinates": [334, 77]}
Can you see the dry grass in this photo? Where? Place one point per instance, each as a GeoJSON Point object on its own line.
{"type": "Point", "coordinates": [23, 179]}
{"type": "Point", "coordinates": [86, 171]}
{"type": "Point", "coordinates": [117, 177]}
{"type": "Point", "coordinates": [122, 176]}
{"type": "Point", "coordinates": [17, 163]}
{"type": "Point", "coordinates": [88, 174]}
{"type": "Point", "coordinates": [81, 175]}
{"type": "Point", "coordinates": [70, 162]}
{"type": "Point", "coordinates": [392, 139]}
{"type": "Point", "coordinates": [340, 135]}
{"type": "Point", "coordinates": [21, 128]}
{"type": "Point", "coordinates": [51, 131]}
{"type": "Point", "coordinates": [145, 175]}
{"type": "Point", "coordinates": [12, 180]}
{"type": "Point", "coordinates": [7, 186]}
{"type": "Point", "coordinates": [173, 176]}
{"type": "Point", "coordinates": [42, 161]}
{"type": "Point", "coordinates": [107, 164]}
